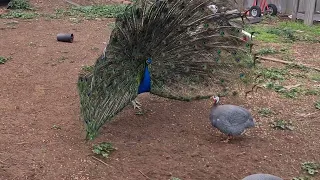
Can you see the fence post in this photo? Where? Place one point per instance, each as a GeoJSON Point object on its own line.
{"type": "Point", "coordinates": [308, 16]}
{"type": "Point", "coordinates": [295, 9]}
{"type": "Point", "coordinates": [240, 5]}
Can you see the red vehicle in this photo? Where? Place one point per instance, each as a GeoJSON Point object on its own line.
{"type": "Point", "coordinates": [264, 8]}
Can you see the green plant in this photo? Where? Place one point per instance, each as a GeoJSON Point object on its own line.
{"type": "Point", "coordinates": [315, 77]}
{"type": "Point", "coordinates": [62, 59]}
{"type": "Point", "coordinates": [111, 25]}
{"type": "Point", "coordinates": [291, 93]}
{"type": "Point", "coordinates": [273, 73]}
{"type": "Point", "coordinates": [302, 178]}
{"type": "Point", "coordinates": [310, 168]}
{"type": "Point", "coordinates": [106, 11]}
{"type": "Point", "coordinates": [301, 27]}
{"type": "Point", "coordinates": [261, 34]}
{"type": "Point", "coordinates": [282, 125]}
{"type": "Point", "coordinates": [87, 68]}
{"type": "Point", "coordinates": [19, 14]}
{"type": "Point", "coordinates": [4, 60]}
{"type": "Point", "coordinates": [297, 66]}
{"type": "Point", "coordinates": [311, 92]}
{"type": "Point", "coordinates": [267, 50]}
{"type": "Point", "coordinates": [174, 178]}
{"type": "Point", "coordinates": [19, 4]}
{"type": "Point", "coordinates": [317, 104]}
{"type": "Point", "coordinates": [104, 149]}
{"type": "Point", "coordinates": [269, 18]}
{"type": "Point", "coordinates": [265, 112]}
{"type": "Point", "coordinates": [287, 31]}
{"type": "Point", "coordinates": [288, 93]}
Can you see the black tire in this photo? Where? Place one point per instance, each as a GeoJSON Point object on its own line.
{"type": "Point", "coordinates": [273, 10]}
{"type": "Point", "coordinates": [255, 11]}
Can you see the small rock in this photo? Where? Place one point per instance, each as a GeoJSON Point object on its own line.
{"type": "Point", "coordinates": [195, 154]}
{"type": "Point", "coordinates": [126, 2]}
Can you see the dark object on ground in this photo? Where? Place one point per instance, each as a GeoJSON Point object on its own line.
{"type": "Point", "coordinates": [4, 2]}
{"type": "Point", "coordinates": [262, 177]}
{"type": "Point", "coordinates": [254, 20]}
{"type": "Point", "coordinates": [65, 37]}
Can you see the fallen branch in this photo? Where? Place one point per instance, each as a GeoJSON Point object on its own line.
{"type": "Point", "coordinates": [73, 3]}
{"type": "Point", "coordinates": [21, 143]}
{"type": "Point", "coordinates": [287, 62]}
{"type": "Point", "coordinates": [252, 89]}
{"type": "Point", "coordinates": [144, 175]}
{"type": "Point", "coordinates": [292, 86]}
{"type": "Point", "coordinates": [101, 161]}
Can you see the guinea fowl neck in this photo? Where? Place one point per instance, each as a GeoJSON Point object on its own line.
{"type": "Point", "coordinates": [215, 104]}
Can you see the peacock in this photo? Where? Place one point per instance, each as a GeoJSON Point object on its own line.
{"type": "Point", "coordinates": [176, 49]}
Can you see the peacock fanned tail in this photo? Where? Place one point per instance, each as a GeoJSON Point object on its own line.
{"type": "Point", "coordinates": [191, 49]}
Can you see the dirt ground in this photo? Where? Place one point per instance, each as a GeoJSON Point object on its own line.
{"type": "Point", "coordinates": [174, 139]}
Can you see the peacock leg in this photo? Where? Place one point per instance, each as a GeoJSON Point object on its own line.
{"type": "Point", "coordinates": [137, 104]}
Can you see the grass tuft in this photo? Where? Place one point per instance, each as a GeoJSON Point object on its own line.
{"type": "Point", "coordinates": [95, 11]}
{"type": "Point", "coordinates": [4, 59]}
{"type": "Point", "coordinates": [19, 14]}
{"type": "Point", "coordinates": [20, 4]}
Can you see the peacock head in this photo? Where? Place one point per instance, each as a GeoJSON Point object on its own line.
{"type": "Point", "coordinates": [149, 61]}
{"type": "Point", "coordinates": [215, 99]}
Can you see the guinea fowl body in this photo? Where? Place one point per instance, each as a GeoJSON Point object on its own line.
{"type": "Point", "coordinates": [262, 177]}
{"type": "Point", "coordinates": [231, 120]}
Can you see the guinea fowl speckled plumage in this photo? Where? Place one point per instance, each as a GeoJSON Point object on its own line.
{"type": "Point", "coordinates": [262, 177]}
{"type": "Point", "coordinates": [189, 48]}
{"type": "Point", "coordinates": [231, 120]}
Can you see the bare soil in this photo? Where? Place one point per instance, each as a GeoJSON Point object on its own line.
{"type": "Point", "coordinates": [173, 139]}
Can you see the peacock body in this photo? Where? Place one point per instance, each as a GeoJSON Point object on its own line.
{"type": "Point", "coordinates": [176, 49]}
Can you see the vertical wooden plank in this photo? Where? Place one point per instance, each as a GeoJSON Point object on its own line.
{"type": "Point", "coordinates": [308, 16]}
{"type": "Point", "coordinates": [240, 5]}
{"type": "Point", "coordinates": [288, 6]}
{"type": "Point", "coordinates": [295, 9]}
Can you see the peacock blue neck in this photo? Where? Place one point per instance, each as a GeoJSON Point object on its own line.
{"type": "Point", "coordinates": [145, 84]}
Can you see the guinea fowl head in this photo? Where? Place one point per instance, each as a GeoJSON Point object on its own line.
{"type": "Point", "coordinates": [215, 100]}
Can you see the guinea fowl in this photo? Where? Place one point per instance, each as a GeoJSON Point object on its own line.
{"type": "Point", "coordinates": [262, 177]}
{"type": "Point", "coordinates": [231, 120]}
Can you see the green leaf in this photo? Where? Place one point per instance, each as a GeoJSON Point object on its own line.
{"type": "Point", "coordinates": [96, 151]}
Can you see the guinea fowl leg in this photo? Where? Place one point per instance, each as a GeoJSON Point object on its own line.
{"type": "Point", "coordinates": [228, 139]}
